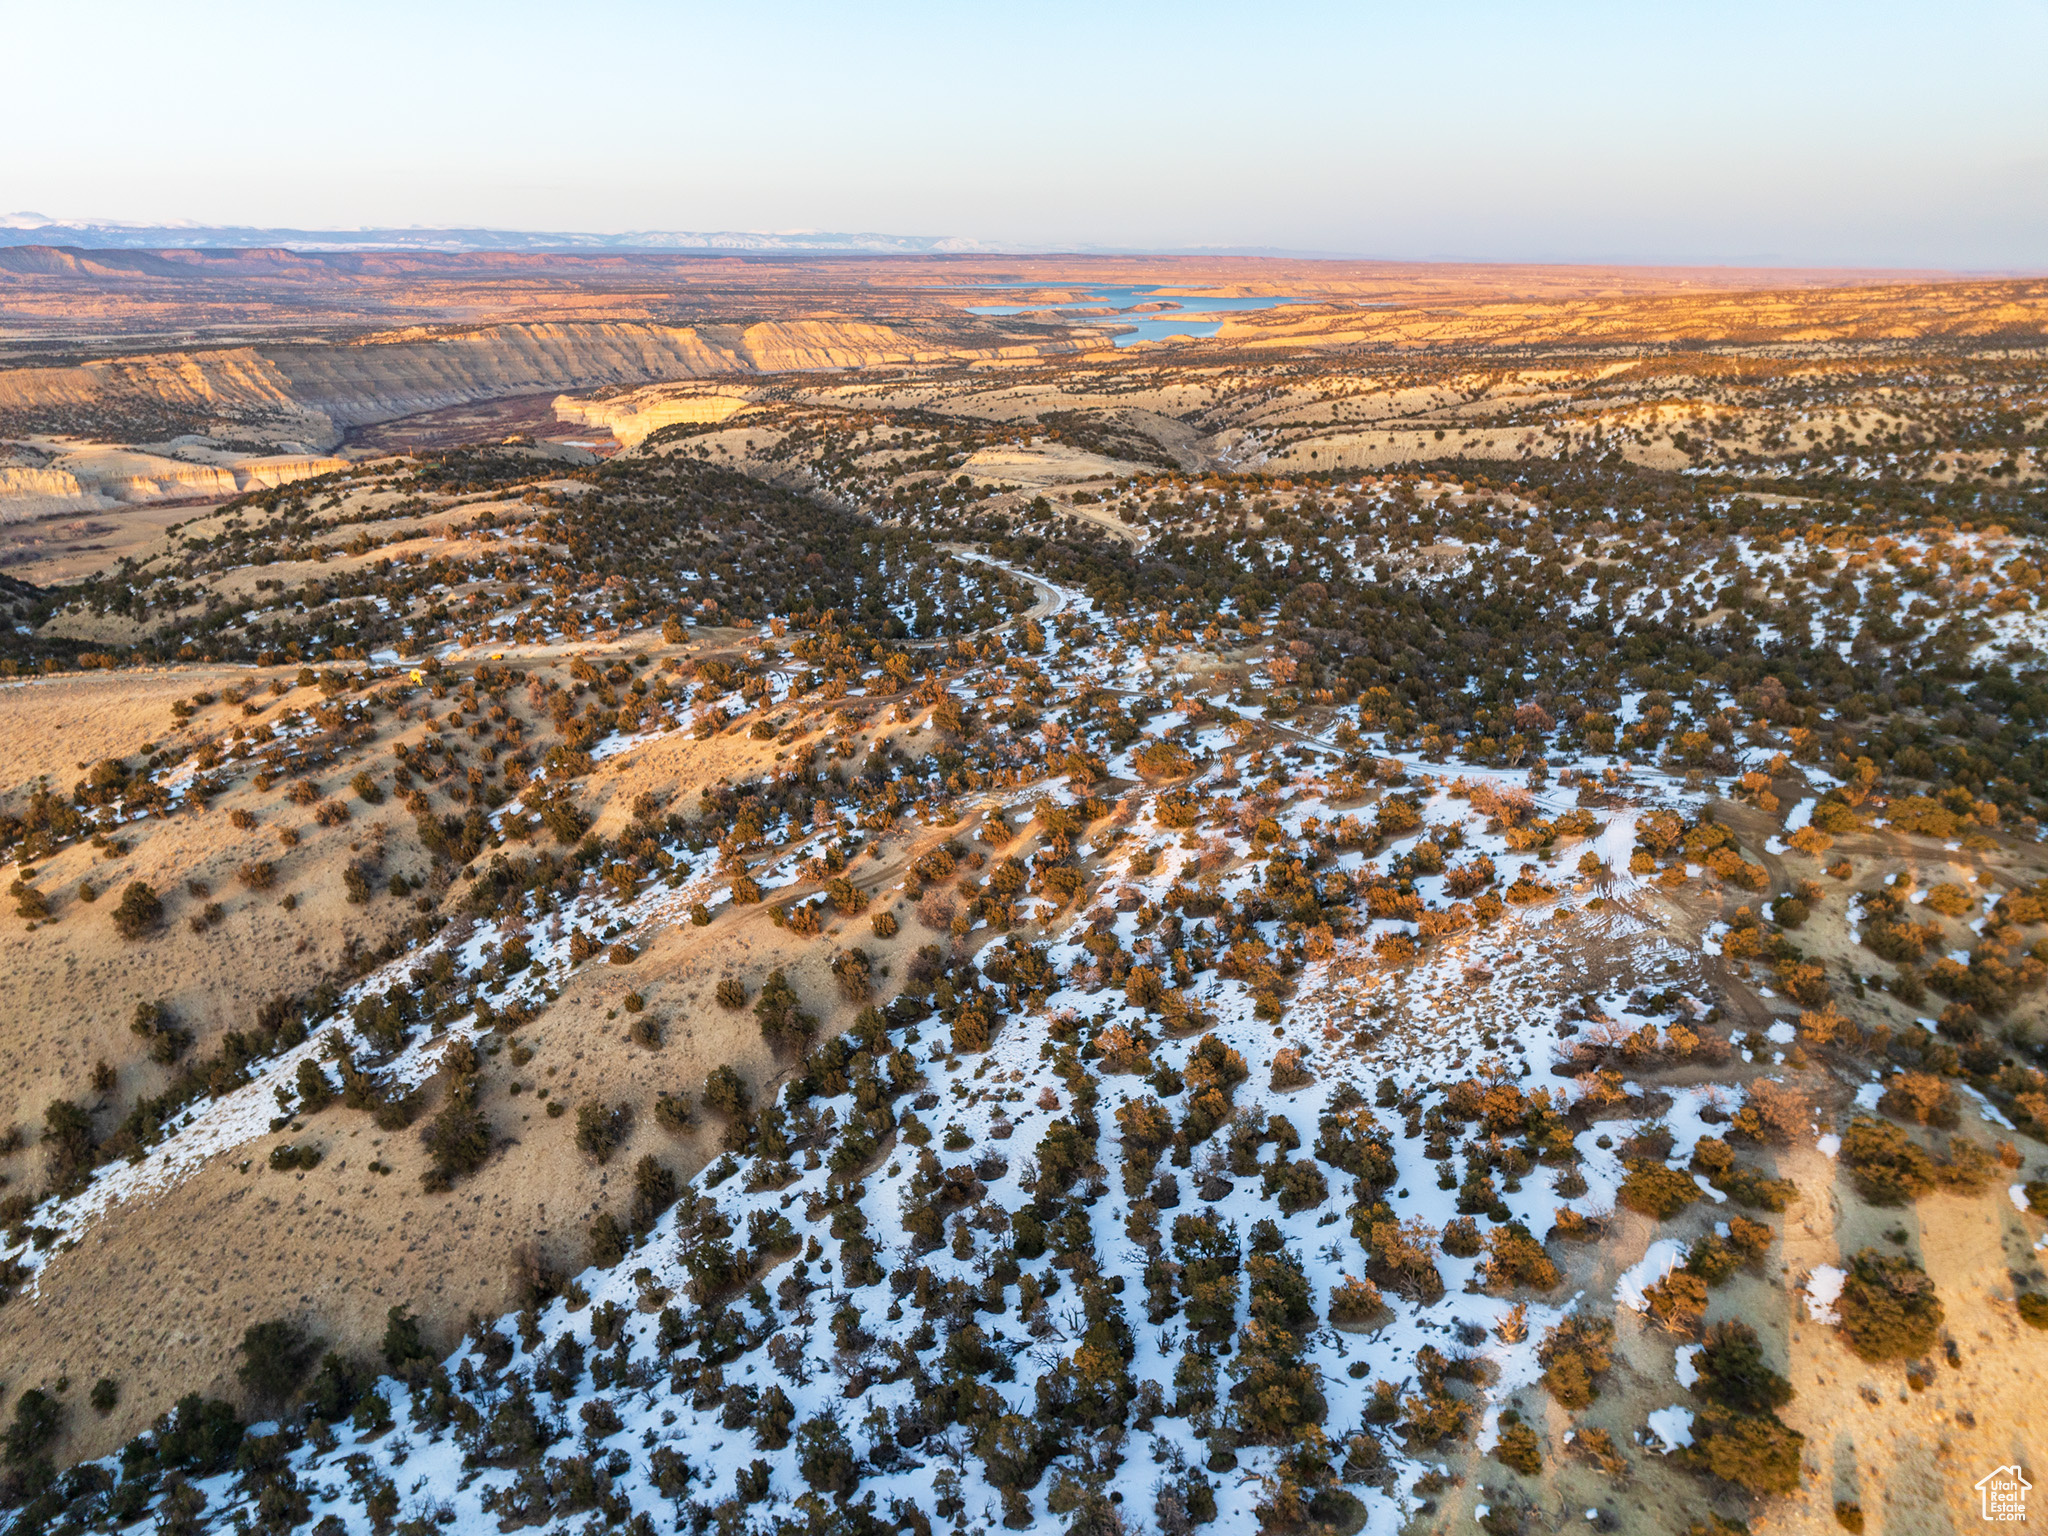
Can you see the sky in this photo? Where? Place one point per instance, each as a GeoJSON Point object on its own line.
{"type": "Point", "coordinates": [1793, 133]}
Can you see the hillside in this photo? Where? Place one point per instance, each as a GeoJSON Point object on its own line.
{"type": "Point", "coordinates": [1081, 943]}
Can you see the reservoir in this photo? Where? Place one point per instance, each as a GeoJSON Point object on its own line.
{"type": "Point", "coordinates": [1147, 326]}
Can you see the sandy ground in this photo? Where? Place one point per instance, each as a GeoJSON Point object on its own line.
{"type": "Point", "coordinates": [69, 989]}
{"type": "Point", "coordinates": [52, 551]}
{"type": "Point", "coordinates": [1037, 468]}
{"type": "Point", "coordinates": [1909, 1457]}
{"type": "Point", "coordinates": [58, 725]}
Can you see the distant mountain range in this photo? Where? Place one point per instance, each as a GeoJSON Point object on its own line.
{"type": "Point", "coordinates": [34, 229]}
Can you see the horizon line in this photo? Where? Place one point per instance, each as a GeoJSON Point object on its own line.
{"type": "Point", "coordinates": [478, 239]}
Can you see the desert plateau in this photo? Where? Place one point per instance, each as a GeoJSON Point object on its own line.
{"type": "Point", "coordinates": [890, 770]}
{"type": "Point", "coordinates": [1416, 906]}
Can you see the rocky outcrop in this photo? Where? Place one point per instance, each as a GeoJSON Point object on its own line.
{"type": "Point", "coordinates": [633, 418]}
{"type": "Point", "coordinates": [97, 479]}
{"type": "Point", "coordinates": [26, 493]}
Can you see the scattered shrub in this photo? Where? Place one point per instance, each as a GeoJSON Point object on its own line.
{"type": "Point", "coordinates": [38, 1420]}
{"type": "Point", "coordinates": [824, 1459]}
{"type": "Point", "coordinates": [140, 911]}
{"type": "Point", "coordinates": [784, 1024]}
{"type": "Point", "coordinates": [1888, 1166]}
{"type": "Point", "coordinates": [1950, 899]}
{"type": "Point", "coordinates": [1574, 1354]}
{"type": "Point", "coordinates": [1461, 1238]}
{"type": "Point", "coordinates": [1516, 1449]}
{"type": "Point", "coordinates": [606, 1240]}
{"type": "Point", "coordinates": [672, 1112]}
{"type": "Point", "coordinates": [1290, 1070]}
{"type": "Point", "coordinates": [1888, 1307]}
{"type": "Point", "coordinates": [1733, 1373]}
{"type": "Point", "coordinates": [1678, 1302]}
{"type": "Point", "coordinates": [458, 1138]}
{"type": "Point", "coordinates": [1597, 1446]}
{"type": "Point", "coordinates": [1516, 1260]}
{"type": "Point", "coordinates": [402, 1342]}
{"type": "Point", "coordinates": [601, 1129]}
{"type": "Point", "coordinates": [275, 1358]}
{"type": "Point", "coordinates": [654, 1191]}
{"type": "Point", "coordinates": [1756, 1452]}
{"type": "Point", "coordinates": [158, 1025]}
{"type": "Point", "coordinates": [725, 1093]}
{"type": "Point", "coordinates": [1656, 1190]}
{"type": "Point", "coordinates": [854, 972]}
{"type": "Point", "coordinates": [1922, 1098]}
{"type": "Point", "coordinates": [1356, 1302]}
{"type": "Point", "coordinates": [68, 1151]}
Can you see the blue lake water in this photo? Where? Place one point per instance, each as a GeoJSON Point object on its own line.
{"type": "Point", "coordinates": [1146, 327]}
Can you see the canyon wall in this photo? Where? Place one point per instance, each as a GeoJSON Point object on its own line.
{"type": "Point", "coordinates": [314, 392]}
{"type": "Point", "coordinates": [100, 479]}
{"type": "Point", "coordinates": [385, 378]}
{"type": "Point", "coordinates": [382, 378]}
{"type": "Point", "coordinates": [239, 380]}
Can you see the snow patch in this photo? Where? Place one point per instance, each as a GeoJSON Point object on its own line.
{"type": "Point", "coordinates": [1663, 1256]}
{"type": "Point", "coordinates": [1823, 1290]}
{"type": "Point", "coordinates": [1687, 1364]}
{"type": "Point", "coordinates": [1670, 1428]}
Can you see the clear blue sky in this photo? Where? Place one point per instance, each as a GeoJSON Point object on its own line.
{"type": "Point", "coordinates": [1873, 133]}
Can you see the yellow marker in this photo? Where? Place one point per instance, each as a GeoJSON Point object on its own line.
{"type": "Point", "coordinates": [416, 675]}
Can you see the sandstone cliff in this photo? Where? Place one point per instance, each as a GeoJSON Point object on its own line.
{"type": "Point", "coordinates": [632, 418]}
{"type": "Point", "coordinates": [232, 380]}
{"type": "Point", "coordinates": [381, 378]}
{"type": "Point", "coordinates": [96, 479]}
{"type": "Point", "coordinates": [318, 391]}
